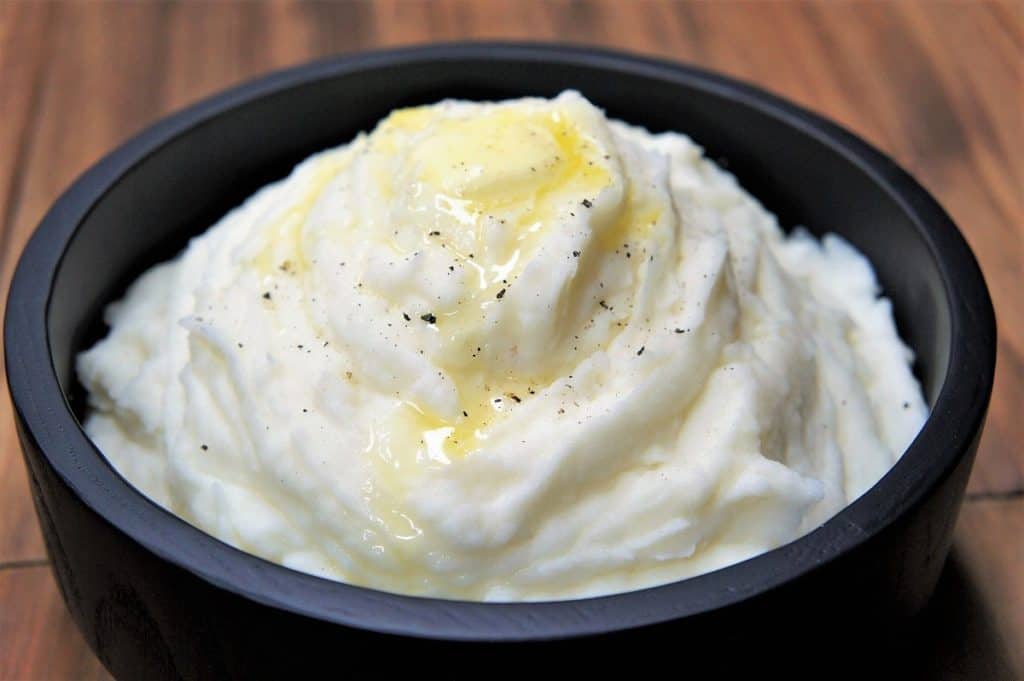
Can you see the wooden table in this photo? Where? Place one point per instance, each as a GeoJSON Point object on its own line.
{"type": "Point", "coordinates": [937, 85]}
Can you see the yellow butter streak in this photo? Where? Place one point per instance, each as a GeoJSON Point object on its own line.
{"type": "Point", "coordinates": [514, 168]}
{"type": "Point", "coordinates": [284, 247]}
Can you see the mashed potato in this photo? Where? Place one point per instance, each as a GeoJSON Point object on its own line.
{"type": "Point", "coordinates": [504, 351]}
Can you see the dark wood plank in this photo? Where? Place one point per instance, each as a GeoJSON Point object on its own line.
{"type": "Point", "coordinates": [23, 29]}
{"type": "Point", "coordinates": [23, 35]}
{"type": "Point", "coordinates": [990, 546]}
{"type": "Point", "coordinates": [38, 639]}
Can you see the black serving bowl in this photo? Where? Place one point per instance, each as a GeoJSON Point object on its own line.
{"type": "Point", "coordinates": [158, 598]}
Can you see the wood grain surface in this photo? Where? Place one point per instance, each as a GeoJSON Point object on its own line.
{"type": "Point", "coordinates": [938, 85]}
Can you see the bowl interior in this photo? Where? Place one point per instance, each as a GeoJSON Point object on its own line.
{"type": "Point", "coordinates": [183, 187]}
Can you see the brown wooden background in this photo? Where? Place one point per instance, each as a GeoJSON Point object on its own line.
{"type": "Point", "coordinates": [936, 84]}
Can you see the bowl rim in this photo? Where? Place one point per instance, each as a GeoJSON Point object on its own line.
{"type": "Point", "coordinates": [49, 425]}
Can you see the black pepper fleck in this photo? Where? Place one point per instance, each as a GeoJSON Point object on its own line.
{"type": "Point", "coordinates": [429, 318]}
{"type": "Point", "coordinates": [501, 294]}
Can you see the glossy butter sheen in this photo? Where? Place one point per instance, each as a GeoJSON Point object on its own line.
{"type": "Point", "coordinates": [508, 351]}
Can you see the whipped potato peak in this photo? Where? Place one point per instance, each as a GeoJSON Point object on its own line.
{"type": "Point", "coordinates": [504, 351]}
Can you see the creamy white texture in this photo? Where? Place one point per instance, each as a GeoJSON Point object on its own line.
{"type": "Point", "coordinates": [509, 351]}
